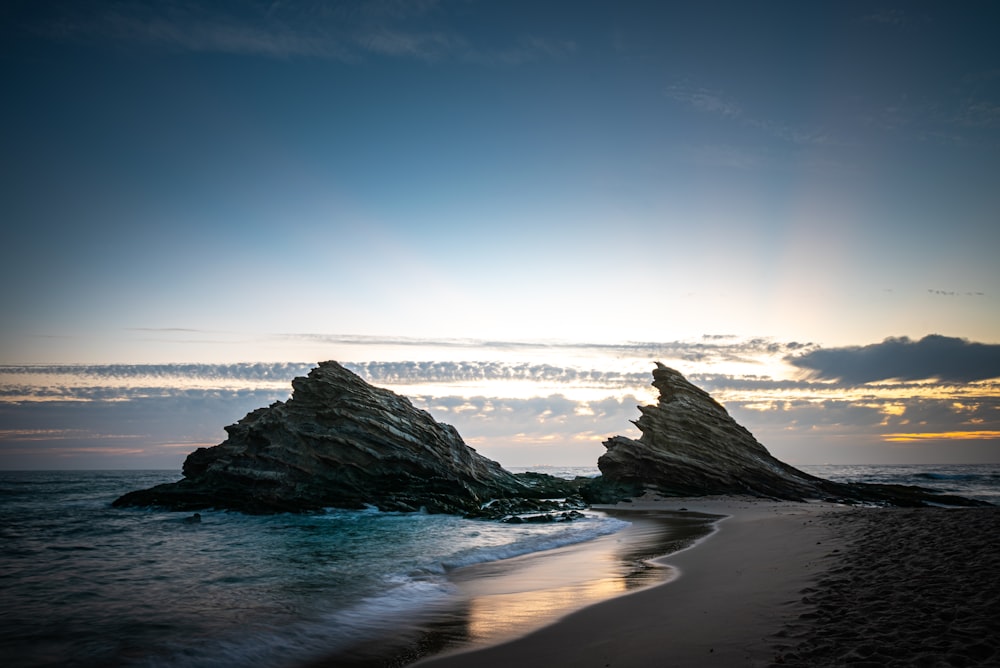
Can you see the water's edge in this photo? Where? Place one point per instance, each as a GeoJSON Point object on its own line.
{"type": "Point", "coordinates": [502, 600]}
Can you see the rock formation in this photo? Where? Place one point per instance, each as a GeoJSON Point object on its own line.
{"type": "Point", "coordinates": [340, 442]}
{"type": "Point", "coordinates": [690, 446]}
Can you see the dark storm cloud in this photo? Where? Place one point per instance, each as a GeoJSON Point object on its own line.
{"type": "Point", "coordinates": [939, 357]}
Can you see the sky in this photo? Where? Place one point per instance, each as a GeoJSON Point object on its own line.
{"type": "Point", "coordinates": [506, 211]}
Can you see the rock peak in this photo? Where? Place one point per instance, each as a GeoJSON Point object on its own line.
{"type": "Point", "coordinates": [691, 446]}
{"type": "Point", "coordinates": [338, 441]}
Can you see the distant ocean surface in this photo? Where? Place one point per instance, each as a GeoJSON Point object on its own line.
{"type": "Point", "coordinates": [84, 584]}
{"type": "Point", "coordinates": [973, 481]}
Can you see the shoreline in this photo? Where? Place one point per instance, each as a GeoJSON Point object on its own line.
{"type": "Point", "coordinates": [792, 585]}
{"type": "Point", "coordinates": [501, 601]}
{"type": "Point", "coordinates": [734, 589]}
{"type": "Point", "coordinates": [510, 598]}
{"type": "Point", "coordinates": [776, 584]}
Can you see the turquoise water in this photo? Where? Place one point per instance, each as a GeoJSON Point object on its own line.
{"type": "Point", "coordinates": [84, 584]}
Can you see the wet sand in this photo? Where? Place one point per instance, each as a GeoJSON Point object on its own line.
{"type": "Point", "coordinates": [501, 600]}
{"type": "Point", "coordinates": [793, 584]}
{"type": "Point", "coordinates": [734, 590]}
{"type": "Point", "coordinates": [510, 598]}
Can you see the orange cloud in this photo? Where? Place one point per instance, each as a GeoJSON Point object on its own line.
{"type": "Point", "coordinates": [941, 436]}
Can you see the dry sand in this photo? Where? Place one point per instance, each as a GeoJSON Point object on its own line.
{"type": "Point", "coordinates": [916, 587]}
{"type": "Point", "coordinates": [793, 584]}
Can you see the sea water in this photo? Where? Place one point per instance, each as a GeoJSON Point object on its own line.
{"type": "Point", "coordinates": [973, 481]}
{"type": "Point", "coordinates": [85, 584]}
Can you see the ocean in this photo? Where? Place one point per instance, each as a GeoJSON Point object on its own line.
{"type": "Point", "coordinates": [84, 584]}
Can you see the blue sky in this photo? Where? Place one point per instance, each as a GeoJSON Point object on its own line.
{"type": "Point", "coordinates": [584, 185]}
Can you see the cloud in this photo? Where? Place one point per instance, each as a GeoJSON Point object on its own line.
{"type": "Point", "coordinates": [953, 293]}
{"type": "Point", "coordinates": [978, 114]}
{"type": "Point", "coordinates": [711, 348]}
{"type": "Point", "coordinates": [204, 28]}
{"type": "Point", "coordinates": [909, 437]}
{"type": "Point", "coordinates": [153, 415]}
{"type": "Point", "coordinates": [123, 382]}
{"type": "Point", "coordinates": [254, 371]}
{"type": "Point", "coordinates": [704, 99]}
{"type": "Point", "coordinates": [424, 46]}
{"type": "Point", "coordinates": [345, 32]}
{"type": "Point", "coordinates": [715, 102]}
{"type": "Point", "coordinates": [456, 372]}
{"type": "Point", "coordinates": [932, 357]}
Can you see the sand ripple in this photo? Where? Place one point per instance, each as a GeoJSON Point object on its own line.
{"type": "Point", "coordinates": [915, 587]}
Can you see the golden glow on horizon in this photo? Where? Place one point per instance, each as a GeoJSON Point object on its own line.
{"type": "Point", "coordinates": [941, 436]}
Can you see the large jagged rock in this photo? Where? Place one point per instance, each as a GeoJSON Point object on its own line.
{"type": "Point", "coordinates": [691, 446]}
{"type": "Point", "coordinates": [340, 442]}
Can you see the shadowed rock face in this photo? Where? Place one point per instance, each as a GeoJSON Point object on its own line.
{"type": "Point", "coordinates": [339, 442]}
{"type": "Point", "coordinates": [690, 446]}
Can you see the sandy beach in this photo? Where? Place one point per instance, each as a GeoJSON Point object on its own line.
{"type": "Point", "coordinates": [792, 584]}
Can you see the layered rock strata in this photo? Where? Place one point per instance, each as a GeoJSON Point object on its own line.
{"type": "Point", "coordinates": [340, 442]}
{"type": "Point", "coordinates": [691, 446]}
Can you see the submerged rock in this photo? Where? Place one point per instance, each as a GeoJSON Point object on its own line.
{"type": "Point", "coordinates": [340, 442]}
{"type": "Point", "coordinates": [691, 446]}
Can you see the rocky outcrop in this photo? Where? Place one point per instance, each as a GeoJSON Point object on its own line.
{"type": "Point", "coordinates": [340, 442]}
{"type": "Point", "coordinates": [691, 446]}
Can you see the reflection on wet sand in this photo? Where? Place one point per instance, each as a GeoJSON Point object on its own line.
{"type": "Point", "coordinates": [504, 599]}
{"type": "Point", "coordinates": [512, 597]}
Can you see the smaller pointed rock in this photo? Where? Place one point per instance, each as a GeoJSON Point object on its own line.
{"type": "Point", "coordinates": [691, 446]}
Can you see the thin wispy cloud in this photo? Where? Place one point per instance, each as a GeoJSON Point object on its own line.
{"type": "Point", "coordinates": [200, 29]}
{"type": "Point", "coordinates": [978, 113]}
{"type": "Point", "coordinates": [710, 347]}
{"type": "Point", "coordinates": [955, 293]}
{"type": "Point", "coordinates": [423, 46]}
{"type": "Point", "coordinates": [704, 99]}
{"type": "Point", "coordinates": [524, 50]}
{"type": "Point", "coordinates": [717, 103]}
{"type": "Point", "coordinates": [345, 32]}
